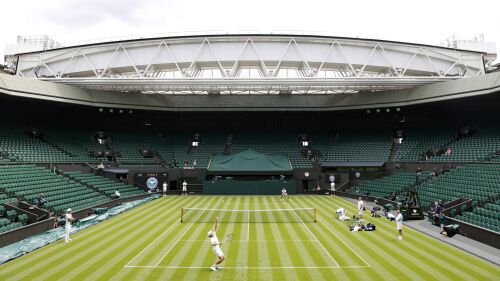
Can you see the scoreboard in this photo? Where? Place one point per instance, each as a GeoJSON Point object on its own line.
{"type": "Point", "coordinates": [151, 181]}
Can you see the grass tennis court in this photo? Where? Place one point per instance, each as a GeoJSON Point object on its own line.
{"type": "Point", "coordinates": [150, 243]}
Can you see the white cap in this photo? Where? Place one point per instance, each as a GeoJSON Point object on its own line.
{"type": "Point", "coordinates": [210, 234]}
{"type": "Point", "coordinates": [68, 210]}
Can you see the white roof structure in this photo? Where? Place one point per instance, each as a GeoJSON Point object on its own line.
{"type": "Point", "coordinates": [250, 64]}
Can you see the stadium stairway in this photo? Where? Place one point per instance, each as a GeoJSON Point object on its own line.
{"type": "Point", "coordinates": [228, 145]}
{"type": "Point", "coordinates": [394, 151]}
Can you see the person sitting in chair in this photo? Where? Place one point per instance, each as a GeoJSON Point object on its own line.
{"type": "Point", "coordinates": [41, 200]}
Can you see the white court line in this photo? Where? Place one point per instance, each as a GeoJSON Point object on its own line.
{"type": "Point", "coordinates": [159, 236]}
{"type": "Point", "coordinates": [317, 239]}
{"type": "Point", "coordinates": [248, 224]}
{"type": "Point", "coordinates": [176, 242]}
{"type": "Point", "coordinates": [367, 264]}
{"type": "Point", "coordinates": [204, 240]}
{"type": "Point", "coordinates": [250, 267]}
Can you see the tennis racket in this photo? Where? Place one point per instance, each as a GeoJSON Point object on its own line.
{"type": "Point", "coordinates": [228, 238]}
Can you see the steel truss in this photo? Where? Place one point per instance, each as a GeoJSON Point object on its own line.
{"type": "Point", "coordinates": [250, 64]}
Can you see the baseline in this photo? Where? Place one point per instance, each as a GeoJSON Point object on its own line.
{"type": "Point", "coordinates": [250, 267]}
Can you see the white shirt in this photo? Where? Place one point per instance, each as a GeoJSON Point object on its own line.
{"type": "Point", "coordinates": [117, 193]}
{"type": "Point", "coordinates": [360, 205]}
{"type": "Point", "coordinates": [68, 217]}
{"type": "Point", "coordinates": [332, 186]}
{"type": "Point", "coordinates": [214, 240]}
{"type": "Point", "coordinates": [184, 185]}
{"type": "Point", "coordinates": [164, 187]}
{"type": "Point", "coordinates": [283, 191]}
{"type": "Point", "coordinates": [399, 221]}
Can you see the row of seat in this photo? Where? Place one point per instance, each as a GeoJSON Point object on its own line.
{"type": "Point", "coordinates": [105, 185]}
{"type": "Point", "coordinates": [72, 146]}
{"type": "Point", "coordinates": [383, 187]}
{"type": "Point", "coordinates": [479, 220]}
{"type": "Point", "coordinates": [26, 182]}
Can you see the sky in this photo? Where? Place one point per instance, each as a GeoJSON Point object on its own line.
{"type": "Point", "coordinates": [417, 21]}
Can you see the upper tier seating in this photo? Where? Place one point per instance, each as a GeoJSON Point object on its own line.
{"type": "Point", "coordinates": [360, 147]}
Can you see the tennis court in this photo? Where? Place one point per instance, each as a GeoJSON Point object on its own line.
{"type": "Point", "coordinates": [150, 243]}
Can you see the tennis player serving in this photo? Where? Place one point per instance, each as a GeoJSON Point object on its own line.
{"type": "Point", "coordinates": [212, 234]}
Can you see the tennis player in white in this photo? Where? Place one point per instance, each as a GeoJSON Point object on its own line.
{"type": "Point", "coordinates": [360, 207]}
{"type": "Point", "coordinates": [67, 226]}
{"type": "Point", "coordinates": [399, 224]}
{"type": "Point", "coordinates": [284, 194]}
{"type": "Point", "coordinates": [184, 188]}
{"type": "Point", "coordinates": [332, 188]}
{"type": "Point", "coordinates": [212, 234]}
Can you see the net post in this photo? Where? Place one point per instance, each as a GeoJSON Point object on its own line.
{"type": "Point", "coordinates": [182, 213]}
{"type": "Point", "coordinates": [315, 214]}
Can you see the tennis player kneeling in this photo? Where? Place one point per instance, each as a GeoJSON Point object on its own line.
{"type": "Point", "coordinates": [212, 234]}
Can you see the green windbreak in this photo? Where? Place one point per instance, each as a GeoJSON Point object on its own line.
{"type": "Point", "coordinates": [249, 161]}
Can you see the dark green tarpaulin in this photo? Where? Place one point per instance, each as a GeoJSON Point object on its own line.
{"type": "Point", "coordinates": [249, 161]}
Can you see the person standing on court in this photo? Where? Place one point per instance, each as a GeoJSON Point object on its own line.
{"type": "Point", "coordinates": [67, 226]}
{"type": "Point", "coordinates": [332, 188]}
{"type": "Point", "coordinates": [399, 224]}
{"type": "Point", "coordinates": [164, 188]}
{"type": "Point", "coordinates": [184, 188]}
{"type": "Point", "coordinates": [360, 207]}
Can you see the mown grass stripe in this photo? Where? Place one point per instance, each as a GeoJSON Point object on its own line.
{"type": "Point", "coordinates": [160, 245]}
{"type": "Point", "coordinates": [437, 251]}
{"type": "Point", "coordinates": [42, 253]}
{"type": "Point", "coordinates": [48, 254]}
{"type": "Point", "coordinates": [381, 228]}
{"type": "Point", "coordinates": [363, 248]}
{"type": "Point", "coordinates": [290, 253]}
{"type": "Point", "coordinates": [183, 229]}
{"type": "Point", "coordinates": [124, 245]}
{"type": "Point", "coordinates": [419, 257]}
{"type": "Point", "coordinates": [93, 248]}
{"type": "Point", "coordinates": [360, 237]}
{"type": "Point", "coordinates": [135, 244]}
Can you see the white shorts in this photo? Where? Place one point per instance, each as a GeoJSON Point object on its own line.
{"type": "Point", "coordinates": [218, 252]}
{"type": "Point", "coordinates": [360, 212]}
{"type": "Point", "coordinates": [399, 227]}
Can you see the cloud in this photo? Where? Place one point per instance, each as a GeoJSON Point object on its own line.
{"type": "Point", "coordinates": [427, 22]}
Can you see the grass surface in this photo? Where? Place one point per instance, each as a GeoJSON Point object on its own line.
{"type": "Point", "coordinates": [149, 243]}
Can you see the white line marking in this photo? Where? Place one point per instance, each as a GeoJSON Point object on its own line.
{"type": "Point", "coordinates": [248, 231]}
{"type": "Point", "coordinates": [367, 264]}
{"type": "Point", "coordinates": [321, 244]}
{"type": "Point", "coordinates": [249, 267]}
{"type": "Point", "coordinates": [159, 236]}
{"type": "Point", "coordinates": [270, 241]}
{"type": "Point", "coordinates": [252, 210]}
{"type": "Point", "coordinates": [176, 242]}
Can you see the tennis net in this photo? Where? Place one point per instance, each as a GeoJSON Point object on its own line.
{"type": "Point", "coordinates": [296, 215]}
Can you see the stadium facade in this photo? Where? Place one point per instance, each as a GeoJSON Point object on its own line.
{"type": "Point", "coordinates": [334, 106]}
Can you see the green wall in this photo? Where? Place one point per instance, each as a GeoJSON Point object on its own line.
{"type": "Point", "coordinates": [235, 187]}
